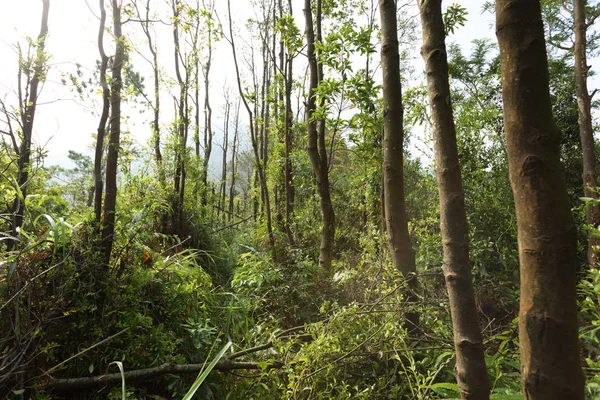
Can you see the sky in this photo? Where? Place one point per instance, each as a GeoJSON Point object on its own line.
{"type": "Point", "coordinates": [64, 123]}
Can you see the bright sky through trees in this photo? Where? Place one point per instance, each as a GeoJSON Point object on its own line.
{"type": "Point", "coordinates": [63, 124]}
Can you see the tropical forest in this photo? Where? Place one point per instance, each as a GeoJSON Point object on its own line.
{"type": "Point", "coordinates": [299, 199]}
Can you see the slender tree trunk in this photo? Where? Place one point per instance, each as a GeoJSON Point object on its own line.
{"type": "Point", "coordinates": [586, 131]}
{"type": "Point", "coordinates": [233, 161]}
{"type": "Point", "coordinates": [316, 142]}
{"type": "Point", "coordinates": [98, 182]}
{"type": "Point", "coordinates": [550, 362]}
{"type": "Point", "coordinates": [208, 133]}
{"type": "Point", "coordinates": [289, 187]}
{"type": "Point", "coordinates": [179, 111]}
{"type": "Point", "coordinates": [156, 109]}
{"type": "Point", "coordinates": [253, 137]}
{"type": "Point", "coordinates": [223, 185]}
{"type": "Point", "coordinates": [471, 372]}
{"type": "Point", "coordinates": [156, 106]}
{"type": "Point", "coordinates": [182, 124]}
{"type": "Point", "coordinates": [396, 221]}
{"type": "Point", "coordinates": [110, 199]}
{"type": "Point", "coordinates": [29, 106]}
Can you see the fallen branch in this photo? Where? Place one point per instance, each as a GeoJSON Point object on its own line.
{"type": "Point", "coordinates": [224, 365]}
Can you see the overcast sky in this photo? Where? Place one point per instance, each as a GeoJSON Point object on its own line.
{"type": "Point", "coordinates": [63, 123]}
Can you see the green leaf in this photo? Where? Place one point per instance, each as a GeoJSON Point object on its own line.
{"type": "Point", "coordinates": [506, 397]}
{"type": "Point", "coordinates": [443, 385]}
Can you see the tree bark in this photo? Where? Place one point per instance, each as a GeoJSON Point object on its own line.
{"type": "Point", "coordinates": [396, 220]}
{"type": "Point", "coordinates": [471, 372]}
{"type": "Point", "coordinates": [551, 367]}
{"type": "Point", "coordinates": [99, 183]}
{"type": "Point", "coordinates": [110, 199]}
{"type": "Point", "coordinates": [29, 106]}
{"type": "Point", "coordinates": [316, 142]}
{"type": "Point", "coordinates": [586, 131]}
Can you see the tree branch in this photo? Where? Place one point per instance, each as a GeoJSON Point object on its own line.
{"type": "Point", "coordinates": [223, 365]}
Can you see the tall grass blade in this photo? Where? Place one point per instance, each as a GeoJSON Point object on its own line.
{"type": "Point", "coordinates": [204, 372]}
{"type": "Point", "coordinates": [123, 391]}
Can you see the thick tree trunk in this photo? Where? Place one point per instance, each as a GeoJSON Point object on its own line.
{"type": "Point", "coordinates": [316, 143]}
{"type": "Point", "coordinates": [110, 199]}
{"type": "Point", "coordinates": [551, 367]}
{"type": "Point", "coordinates": [28, 106]}
{"type": "Point", "coordinates": [396, 220]}
{"type": "Point", "coordinates": [471, 372]}
{"type": "Point", "coordinates": [98, 182]}
{"type": "Point", "coordinates": [586, 131]}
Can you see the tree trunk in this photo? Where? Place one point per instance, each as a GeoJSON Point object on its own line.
{"type": "Point", "coordinates": [28, 106]}
{"type": "Point", "coordinates": [471, 372]}
{"type": "Point", "coordinates": [253, 137]}
{"type": "Point", "coordinates": [208, 133]}
{"type": "Point", "coordinates": [110, 199]}
{"type": "Point", "coordinates": [284, 89]}
{"type": "Point", "coordinates": [396, 221]}
{"type": "Point", "coordinates": [289, 188]}
{"type": "Point", "coordinates": [586, 131]}
{"type": "Point", "coordinates": [551, 367]}
{"type": "Point", "coordinates": [316, 143]}
{"type": "Point", "coordinates": [233, 161]}
{"type": "Point", "coordinates": [98, 186]}
{"type": "Point", "coordinates": [182, 124]}
{"type": "Point", "coordinates": [223, 185]}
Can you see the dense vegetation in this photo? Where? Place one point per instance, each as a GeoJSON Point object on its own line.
{"type": "Point", "coordinates": [125, 273]}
